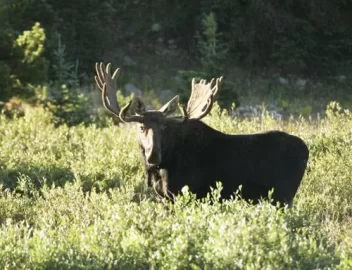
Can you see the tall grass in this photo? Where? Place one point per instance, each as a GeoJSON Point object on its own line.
{"type": "Point", "coordinates": [74, 198]}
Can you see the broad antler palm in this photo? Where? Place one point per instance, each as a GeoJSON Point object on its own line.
{"type": "Point", "coordinates": [107, 85]}
{"type": "Point", "coordinates": [202, 98]}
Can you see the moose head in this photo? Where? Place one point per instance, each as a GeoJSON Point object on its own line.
{"type": "Point", "coordinates": [152, 124]}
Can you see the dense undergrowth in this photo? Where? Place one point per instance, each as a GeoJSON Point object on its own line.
{"type": "Point", "coordinates": [74, 198]}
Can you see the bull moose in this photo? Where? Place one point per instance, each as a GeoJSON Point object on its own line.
{"type": "Point", "coordinates": [179, 151]}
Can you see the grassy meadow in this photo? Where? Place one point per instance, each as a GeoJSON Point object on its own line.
{"type": "Point", "coordinates": [74, 198]}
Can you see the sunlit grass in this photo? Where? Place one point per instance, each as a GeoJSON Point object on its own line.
{"type": "Point", "coordinates": [74, 197]}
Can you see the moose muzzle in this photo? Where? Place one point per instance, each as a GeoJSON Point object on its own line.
{"type": "Point", "coordinates": [152, 149]}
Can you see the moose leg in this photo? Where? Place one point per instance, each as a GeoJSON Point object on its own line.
{"type": "Point", "coordinates": [149, 176]}
{"type": "Point", "coordinates": [158, 179]}
{"type": "Point", "coordinates": [152, 176]}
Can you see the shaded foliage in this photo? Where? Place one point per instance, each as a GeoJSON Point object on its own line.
{"type": "Point", "coordinates": [56, 42]}
{"type": "Point", "coordinates": [22, 62]}
{"type": "Point", "coordinates": [289, 34]}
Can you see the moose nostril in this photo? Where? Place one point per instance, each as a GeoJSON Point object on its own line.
{"type": "Point", "coordinates": [154, 158]}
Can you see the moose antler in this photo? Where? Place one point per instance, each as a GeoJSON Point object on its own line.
{"type": "Point", "coordinates": [133, 118]}
{"type": "Point", "coordinates": [199, 104]}
{"type": "Point", "coordinates": [202, 98]}
{"type": "Point", "coordinates": [107, 85]}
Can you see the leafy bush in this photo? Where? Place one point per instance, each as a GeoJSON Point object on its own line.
{"type": "Point", "coordinates": [26, 66]}
{"type": "Point", "coordinates": [74, 197]}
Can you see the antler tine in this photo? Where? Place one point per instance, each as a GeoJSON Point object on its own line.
{"type": "Point", "coordinates": [217, 86]}
{"type": "Point", "coordinates": [102, 86]}
{"type": "Point", "coordinates": [98, 79]}
{"type": "Point", "coordinates": [107, 84]}
{"type": "Point", "coordinates": [202, 97]}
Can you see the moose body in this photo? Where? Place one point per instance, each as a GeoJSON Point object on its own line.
{"type": "Point", "coordinates": [196, 155]}
{"type": "Point", "coordinates": [179, 151]}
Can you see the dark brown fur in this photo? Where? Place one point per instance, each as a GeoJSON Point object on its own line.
{"type": "Point", "coordinates": [185, 151]}
{"type": "Point", "coordinates": [194, 154]}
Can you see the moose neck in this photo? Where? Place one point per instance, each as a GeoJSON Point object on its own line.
{"type": "Point", "coordinates": [170, 139]}
{"type": "Point", "coordinates": [180, 138]}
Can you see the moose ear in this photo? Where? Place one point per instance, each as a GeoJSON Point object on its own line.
{"type": "Point", "coordinates": [170, 107]}
{"type": "Point", "coordinates": [137, 105]}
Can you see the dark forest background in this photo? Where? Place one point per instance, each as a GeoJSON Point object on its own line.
{"type": "Point", "coordinates": [284, 49]}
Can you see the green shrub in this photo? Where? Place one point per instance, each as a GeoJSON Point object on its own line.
{"type": "Point", "coordinates": [24, 65]}
{"type": "Point", "coordinates": [74, 197]}
{"type": "Point", "coordinates": [28, 49]}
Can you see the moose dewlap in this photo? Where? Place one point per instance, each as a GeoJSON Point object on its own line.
{"type": "Point", "coordinates": [179, 151]}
